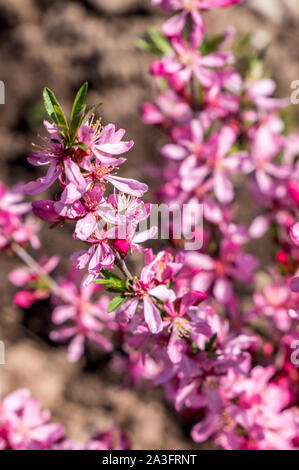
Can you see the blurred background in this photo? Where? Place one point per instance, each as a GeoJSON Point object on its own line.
{"type": "Point", "coordinates": [60, 44]}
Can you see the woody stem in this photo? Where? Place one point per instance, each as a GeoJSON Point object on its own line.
{"type": "Point", "coordinates": [122, 266]}
{"type": "Point", "coordinates": [37, 268]}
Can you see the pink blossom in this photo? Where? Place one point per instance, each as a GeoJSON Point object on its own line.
{"type": "Point", "coordinates": [103, 142]}
{"type": "Point", "coordinates": [60, 161]}
{"type": "Point", "coordinates": [276, 301]}
{"type": "Point", "coordinates": [36, 286]}
{"type": "Point", "coordinates": [84, 318]}
{"type": "Point", "coordinates": [266, 145]}
{"type": "Point", "coordinates": [12, 226]}
{"type": "Point", "coordinates": [24, 426]}
{"type": "Point", "coordinates": [184, 323]}
{"type": "Point", "coordinates": [187, 61]}
{"type": "Point", "coordinates": [169, 108]}
{"type": "Point", "coordinates": [218, 273]}
{"type": "Point", "coordinates": [294, 233]}
{"type": "Point", "coordinates": [149, 288]}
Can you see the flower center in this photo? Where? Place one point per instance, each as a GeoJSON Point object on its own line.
{"type": "Point", "coordinates": [190, 4]}
{"type": "Point", "coordinates": [183, 327]}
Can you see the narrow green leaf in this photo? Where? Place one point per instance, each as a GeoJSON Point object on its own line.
{"type": "Point", "coordinates": [54, 109]}
{"type": "Point", "coordinates": [147, 46]}
{"type": "Point", "coordinates": [115, 303]}
{"type": "Point", "coordinates": [80, 145]}
{"type": "Point", "coordinates": [78, 111]}
{"type": "Point", "coordinates": [109, 275]}
{"type": "Point", "coordinates": [160, 41]}
{"type": "Point", "coordinates": [90, 112]}
{"type": "Point", "coordinates": [111, 282]}
{"type": "Point", "coordinates": [243, 43]}
{"type": "Point", "coordinates": [112, 286]}
{"type": "Point", "coordinates": [210, 45]}
{"type": "Point", "coordinates": [211, 343]}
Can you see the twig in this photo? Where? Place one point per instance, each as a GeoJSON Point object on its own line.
{"type": "Point", "coordinates": [35, 267]}
{"type": "Point", "coordinates": [122, 266]}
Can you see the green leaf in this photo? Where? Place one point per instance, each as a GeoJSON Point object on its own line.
{"type": "Point", "coordinates": [80, 145]}
{"type": "Point", "coordinates": [211, 343]}
{"type": "Point", "coordinates": [160, 41]}
{"type": "Point", "coordinates": [78, 111]}
{"type": "Point", "coordinates": [111, 286]}
{"type": "Point", "coordinates": [243, 43]}
{"type": "Point", "coordinates": [90, 112]}
{"type": "Point", "coordinates": [115, 303]}
{"type": "Point", "coordinates": [111, 282]}
{"type": "Point", "coordinates": [54, 109]}
{"type": "Point", "coordinates": [147, 46]}
{"type": "Point", "coordinates": [210, 45]}
{"type": "Point", "coordinates": [109, 275]}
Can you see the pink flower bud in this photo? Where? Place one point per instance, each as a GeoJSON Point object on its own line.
{"type": "Point", "coordinates": [24, 299]}
{"type": "Point", "coordinates": [45, 211]}
{"type": "Point", "coordinates": [122, 246]}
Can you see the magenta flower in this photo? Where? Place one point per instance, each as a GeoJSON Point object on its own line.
{"type": "Point", "coordinates": [169, 108]}
{"type": "Point", "coordinates": [112, 225]}
{"type": "Point", "coordinates": [183, 322]}
{"type": "Point", "coordinates": [24, 426]}
{"type": "Point", "coordinates": [294, 234]}
{"type": "Point", "coordinates": [278, 302]}
{"type": "Point", "coordinates": [189, 142]}
{"type": "Point", "coordinates": [224, 165]}
{"type": "Point", "coordinates": [232, 263]}
{"type": "Point", "coordinates": [188, 62]}
{"type": "Point", "coordinates": [122, 210]}
{"type": "Point", "coordinates": [36, 286]}
{"type": "Point", "coordinates": [60, 161]}
{"type": "Point", "coordinates": [70, 164]}
{"type": "Point", "coordinates": [11, 201]}
{"type": "Point", "coordinates": [267, 143]}
{"type": "Point", "coordinates": [200, 4]}
{"type": "Point", "coordinates": [103, 142]}
{"type": "Point", "coordinates": [45, 211]}
{"type": "Point", "coordinates": [149, 288]}
{"type": "Point", "coordinates": [175, 25]}
{"type": "Point", "coordinates": [223, 97]}
{"type": "Point", "coordinates": [84, 318]}
{"type": "Point", "coordinates": [12, 226]}
{"type": "Point", "coordinates": [260, 93]}
{"type": "Point", "coordinates": [209, 163]}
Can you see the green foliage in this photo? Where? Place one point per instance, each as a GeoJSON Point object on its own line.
{"type": "Point", "coordinates": [112, 282]}
{"type": "Point", "coordinates": [158, 44]}
{"type": "Point", "coordinates": [78, 110]}
{"type": "Point", "coordinates": [211, 343]}
{"type": "Point", "coordinates": [210, 45]}
{"type": "Point", "coordinates": [80, 145]}
{"type": "Point", "coordinates": [79, 115]}
{"type": "Point", "coordinates": [115, 304]}
{"type": "Point", "coordinates": [55, 110]}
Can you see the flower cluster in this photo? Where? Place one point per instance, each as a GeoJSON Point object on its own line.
{"type": "Point", "coordinates": [81, 317]}
{"type": "Point", "coordinates": [24, 425]}
{"type": "Point", "coordinates": [226, 133]}
{"type": "Point", "coordinates": [82, 157]}
{"type": "Point", "coordinates": [14, 227]}
{"type": "Point", "coordinates": [34, 281]}
{"type": "Point", "coordinates": [196, 323]}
